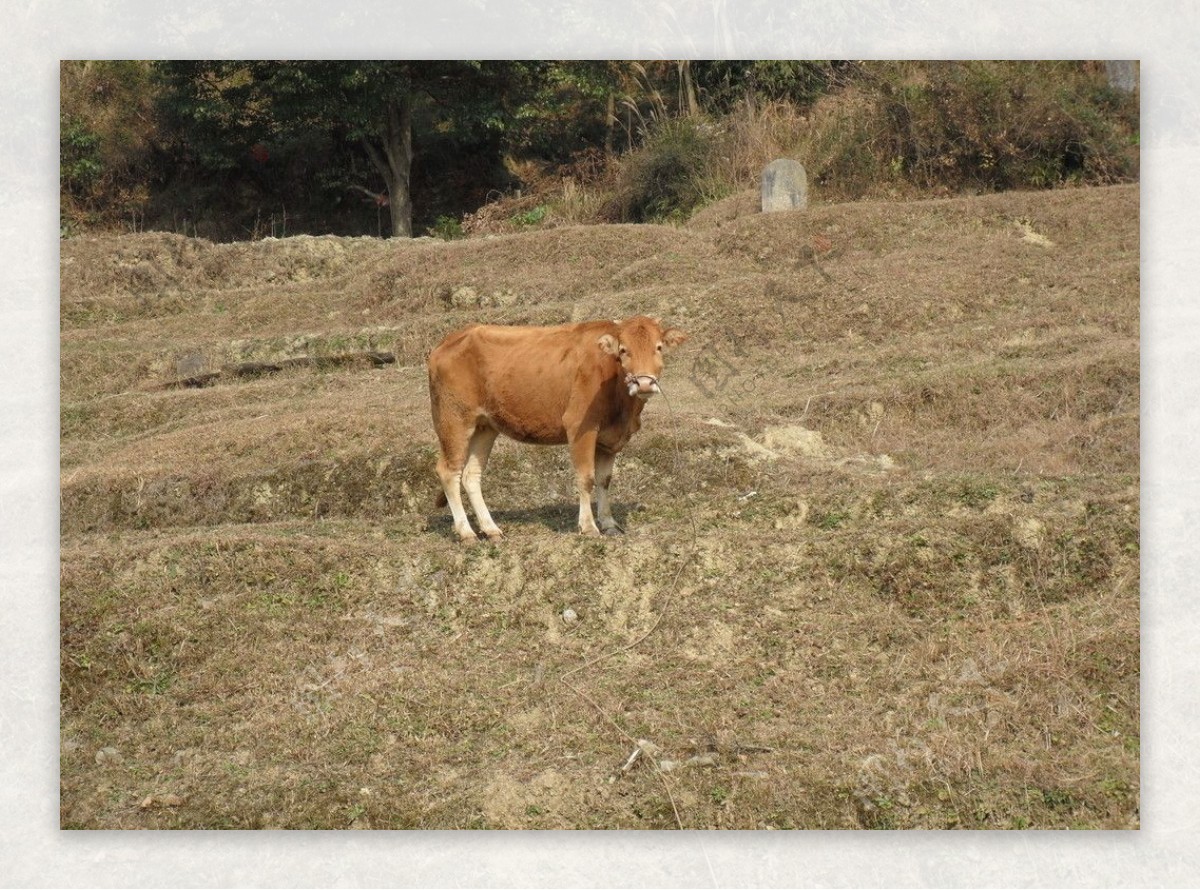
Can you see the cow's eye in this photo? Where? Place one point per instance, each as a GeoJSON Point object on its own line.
{"type": "Point", "coordinates": [624, 351]}
{"type": "Point", "coordinates": [659, 347]}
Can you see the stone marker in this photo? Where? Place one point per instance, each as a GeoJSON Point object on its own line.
{"type": "Point", "coordinates": [1122, 74]}
{"type": "Point", "coordinates": [191, 364]}
{"type": "Point", "coordinates": [784, 186]}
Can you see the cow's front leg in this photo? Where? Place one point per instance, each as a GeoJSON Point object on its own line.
{"type": "Point", "coordinates": [603, 469]}
{"type": "Point", "coordinates": [583, 456]}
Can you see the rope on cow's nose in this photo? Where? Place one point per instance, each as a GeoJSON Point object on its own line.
{"type": "Point", "coordinates": [662, 613]}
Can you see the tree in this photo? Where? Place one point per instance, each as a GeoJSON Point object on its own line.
{"type": "Point", "coordinates": [228, 107]}
{"type": "Point", "coordinates": [726, 82]}
{"type": "Point", "coordinates": [108, 137]}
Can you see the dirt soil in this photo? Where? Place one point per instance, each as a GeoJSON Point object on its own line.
{"type": "Point", "coordinates": [881, 567]}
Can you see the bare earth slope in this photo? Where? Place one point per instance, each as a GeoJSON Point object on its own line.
{"type": "Point", "coordinates": [884, 534]}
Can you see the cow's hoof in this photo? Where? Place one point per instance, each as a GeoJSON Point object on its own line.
{"type": "Point", "coordinates": [494, 535]}
{"type": "Point", "coordinates": [613, 532]}
{"type": "Point", "coordinates": [590, 532]}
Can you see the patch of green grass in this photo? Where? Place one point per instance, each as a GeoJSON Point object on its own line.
{"type": "Point", "coordinates": [156, 684]}
{"type": "Point", "coordinates": [976, 493]}
{"type": "Point", "coordinates": [828, 520]}
{"type": "Point", "coordinates": [272, 602]}
{"type": "Point", "coordinates": [448, 228]}
{"type": "Point", "coordinates": [531, 217]}
{"type": "Point", "coordinates": [1057, 798]}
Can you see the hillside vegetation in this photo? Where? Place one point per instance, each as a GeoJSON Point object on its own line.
{"type": "Point", "coordinates": [881, 567]}
{"type": "Point", "coordinates": [239, 150]}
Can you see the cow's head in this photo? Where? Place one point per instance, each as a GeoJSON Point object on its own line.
{"type": "Point", "coordinates": [639, 345]}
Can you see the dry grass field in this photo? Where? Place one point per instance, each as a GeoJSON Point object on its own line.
{"type": "Point", "coordinates": [881, 567]}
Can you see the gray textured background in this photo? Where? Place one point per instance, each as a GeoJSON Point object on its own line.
{"type": "Point", "coordinates": [36, 34]}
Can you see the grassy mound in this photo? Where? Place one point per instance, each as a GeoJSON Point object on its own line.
{"type": "Point", "coordinates": [884, 535]}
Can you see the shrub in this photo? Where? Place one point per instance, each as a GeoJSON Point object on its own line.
{"type": "Point", "coordinates": [448, 228]}
{"type": "Point", "coordinates": [895, 128]}
{"type": "Point", "coordinates": [531, 217]}
{"type": "Point", "coordinates": [980, 125]}
{"type": "Point", "coordinates": [670, 175]}
{"type": "Point", "coordinates": [79, 162]}
{"type": "Point", "coordinates": [753, 135]}
{"type": "Point", "coordinates": [108, 133]}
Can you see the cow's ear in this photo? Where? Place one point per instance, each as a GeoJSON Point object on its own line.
{"type": "Point", "coordinates": [673, 337]}
{"type": "Point", "coordinates": [608, 343]}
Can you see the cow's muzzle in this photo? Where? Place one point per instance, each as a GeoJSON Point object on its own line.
{"type": "Point", "coordinates": [644, 385]}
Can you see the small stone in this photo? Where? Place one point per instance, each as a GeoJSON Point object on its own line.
{"type": "Point", "coordinates": [569, 616]}
{"type": "Point", "coordinates": [105, 755]}
{"type": "Point", "coordinates": [649, 747]}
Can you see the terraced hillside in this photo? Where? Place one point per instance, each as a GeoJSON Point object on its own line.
{"type": "Point", "coordinates": [881, 562]}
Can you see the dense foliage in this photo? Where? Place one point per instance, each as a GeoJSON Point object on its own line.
{"type": "Point", "coordinates": [986, 126]}
{"type": "Point", "coordinates": [233, 150]}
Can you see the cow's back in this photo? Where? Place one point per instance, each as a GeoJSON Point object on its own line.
{"type": "Point", "coordinates": [518, 379]}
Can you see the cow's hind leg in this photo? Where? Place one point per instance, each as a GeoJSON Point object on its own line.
{"type": "Point", "coordinates": [478, 450]}
{"type": "Point", "coordinates": [454, 440]}
{"type": "Point", "coordinates": [604, 467]}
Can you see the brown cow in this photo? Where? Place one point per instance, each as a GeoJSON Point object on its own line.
{"type": "Point", "coordinates": [582, 385]}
